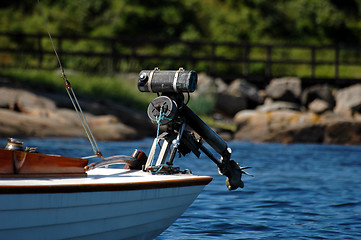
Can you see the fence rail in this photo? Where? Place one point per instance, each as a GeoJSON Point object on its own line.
{"type": "Point", "coordinates": [225, 59]}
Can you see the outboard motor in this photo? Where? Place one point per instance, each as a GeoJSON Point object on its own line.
{"type": "Point", "coordinates": [169, 111]}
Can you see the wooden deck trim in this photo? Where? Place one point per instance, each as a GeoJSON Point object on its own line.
{"type": "Point", "coordinates": [43, 175]}
{"type": "Point", "coordinates": [103, 187]}
{"type": "Point", "coordinates": [21, 164]}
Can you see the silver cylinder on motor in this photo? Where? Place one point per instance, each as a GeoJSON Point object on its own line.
{"type": "Point", "coordinates": [167, 81]}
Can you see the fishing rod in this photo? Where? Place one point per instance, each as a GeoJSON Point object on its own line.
{"type": "Point", "coordinates": [72, 96]}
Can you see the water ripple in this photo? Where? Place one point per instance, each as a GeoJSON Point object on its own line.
{"type": "Point", "coordinates": [300, 191]}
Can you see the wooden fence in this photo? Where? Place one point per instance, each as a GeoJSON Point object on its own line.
{"type": "Point", "coordinates": [257, 62]}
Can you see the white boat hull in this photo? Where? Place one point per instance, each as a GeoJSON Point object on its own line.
{"type": "Point", "coordinates": [117, 210]}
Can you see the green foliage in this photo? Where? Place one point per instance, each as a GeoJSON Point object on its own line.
{"type": "Point", "coordinates": [296, 21]}
{"type": "Point", "coordinates": [203, 104]}
{"type": "Point", "coordinates": [253, 21]}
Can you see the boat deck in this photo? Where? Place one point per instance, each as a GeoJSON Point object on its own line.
{"type": "Point", "coordinates": [101, 179]}
{"type": "Point", "coordinates": [107, 204]}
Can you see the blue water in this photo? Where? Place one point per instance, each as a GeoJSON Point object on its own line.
{"type": "Point", "coordinates": [298, 191]}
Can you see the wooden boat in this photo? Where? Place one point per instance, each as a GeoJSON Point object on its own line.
{"type": "Point", "coordinates": [55, 197]}
{"type": "Point", "coordinates": [104, 203]}
{"type": "Point", "coordinates": [46, 196]}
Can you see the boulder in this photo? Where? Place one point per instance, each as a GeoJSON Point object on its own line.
{"type": "Point", "coordinates": [241, 88]}
{"type": "Point", "coordinates": [205, 84]}
{"type": "Point", "coordinates": [238, 96]}
{"type": "Point", "coordinates": [97, 121]}
{"type": "Point", "coordinates": [321, 92]}
{"type": "Point", "coordinates": [343, 132]}
{"type": "Point", "coordinates": [221, 86]}
{"type": "Point", "coordinates": [251, 126]}
{"type": "Point", "coordinates": [16, 124]}
{"type": "Point", "coordinates": [230, 105]}
{"type": "Point", "coordinates": [67, 116]}
{"type": "Point", "coordinates": [286, 89]}
{"type": "Point", "coordinates": [259, 126]}
{"type": "Point", "coordinates": [278, 105]}
{"type": "Point", "coordinates": [25, 101]}
{"type": "Point", "coordinates": [348, 101]}
{"type": "Point", "coordinates": [319, 106]}
{"type": "Point", "coordinates": [8, 97]}
{"type": "Point", "coordinates": [24, 113]}
{"type": "Point", "coordinates": [243, 116]}
{"type": "Point", "coordinates": [274, 125]}
{"type": "Point", "coordinates": [115, 132]}
{"type": "Point", "coordinates": [301, 133]}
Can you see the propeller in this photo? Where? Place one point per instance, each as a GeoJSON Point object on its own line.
{"type": "Point", "coordinates": [234, 172]}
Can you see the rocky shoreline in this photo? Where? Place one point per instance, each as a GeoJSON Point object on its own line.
{"type": "Point", "coordinates": [28, 112]}
{"type": "Point", "coordinates": [283, 112]}
{"type": "Point", "coordinates": [288, 113]}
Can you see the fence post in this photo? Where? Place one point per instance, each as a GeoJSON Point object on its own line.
{"type": "Point", "coordinates": [40, 50]}
{"type": "Point", "coordinates": [190, 56]}
{"type": "Point", "coordinates": [268, 71]}
{"type": "Point", "coordinates": [114, 59]}
{"type": "Point", "coordinates": [133, 58]}
{"type": "Point", "coordinates": [213, 56]}
{"type": "Point", "coordinates": [313, 62]}
{"type": "Point", "coordinates": [337, 55]}
{"type": "Point", "coordinates": [246, 60]}
{"type": "Point", "coordinates": [60, 44]}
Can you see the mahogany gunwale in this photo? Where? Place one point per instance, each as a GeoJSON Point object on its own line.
{"type": "Point", "coordinates": [22, 164]}
{"type": "Point", "coordinates": [104, 187]}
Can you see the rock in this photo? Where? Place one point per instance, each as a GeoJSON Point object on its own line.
{"type": "Point", "coordinates": [30, 114]}
{"type": "Point", "coordinates": [321, 92]}
{"type": "Point", "coordinates": [221, 86]}
{"type": "Point", "coordinates": [262, 95]}
{"type": "Point", "coordinates": [115, 132]}
{"type": "Point", "coordinates": [257, 126]}
{"type": "Point", "coordinates": [63, 123]}
{"type": "Point", "coordinates": [230, 105]}
{"type": "Point", "coordinates": [225, 103]}
{"type": "Point", "coordinates": [8, 97]}
{"type": "Point", "coordinates": [241, 88]}
{"type": "Point", "coordinates": [97, 121]}
{"type": "Point", "coordinates": [343, 132]}
{"type": "Point", "coordinates": [285, 89]}
{"type": "Point", "coordinates": [239, 95]}
{"type": "Point", "coordinates": [67, 116]}
{"type": "Point", "coordinates": [319, 106]}
{"type": "Point", "coordinates": [205, 84]}
{"type": "Point", "coordinates": [357, 117]}
{"type": "Point", "coordinates": [278, 105]}
{"type": "Point", "coordinates": [292, 127]}
{"type": "Point", "coordinates": [302, 133]}
{"type": "Point", "coordinates": [348, 101]}
{"type": "Point", "coordinates": [15, 124]}
{"type": "Point", "coordinates": [252, 126]}
{"type": "Point", "coordinates": [244, 116]}
{"type": "Point", "coordinates": [25, 101]}
{"type": "Point", "coordinates": [131, 117]}
{"type": "Point", "coordinates": [265, 126]}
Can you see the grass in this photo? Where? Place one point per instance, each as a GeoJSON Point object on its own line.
{"type": "Point", "coordinates": [121, 88]}
{"type": "Point", "coordinates": [117, 88]}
